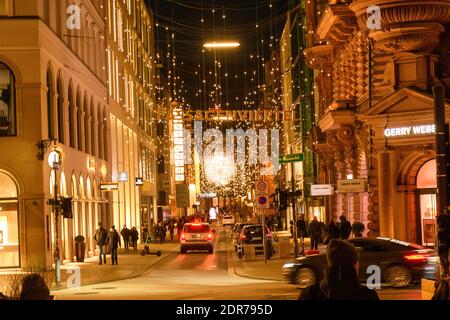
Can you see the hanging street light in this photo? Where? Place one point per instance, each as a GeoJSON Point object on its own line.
{"type": "Point", "coordinates": [222, 45]}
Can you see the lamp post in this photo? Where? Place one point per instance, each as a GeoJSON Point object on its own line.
{"type": "Point", "coordinates": [55, 163]}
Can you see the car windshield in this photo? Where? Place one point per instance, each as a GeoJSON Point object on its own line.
{"type": "Point", "coordinates": [196, 228]}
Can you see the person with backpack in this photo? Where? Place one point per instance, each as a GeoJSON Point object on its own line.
{"type": "Point", "coordinates": [101, 237]}
{"type": "Point", "coordinates": [114, 244]}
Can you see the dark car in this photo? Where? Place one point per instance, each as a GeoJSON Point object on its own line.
{"type": "Point", "coordinates": [400, 263]}
{"type": "Point", "coordinates": [252, 234]}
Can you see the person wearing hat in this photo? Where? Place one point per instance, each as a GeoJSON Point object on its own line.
{"type": "Point", "coordinates": [340, 280]}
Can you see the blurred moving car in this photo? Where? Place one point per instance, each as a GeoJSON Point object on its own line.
{"type": "Point", "coordinates": [228, 220]}
{"type": "Point", "coordinates": [196, 236]}
{"type": "Point", "coordinates": [252, 234]}
{"type": "Point", "coordinates": [401, 263]}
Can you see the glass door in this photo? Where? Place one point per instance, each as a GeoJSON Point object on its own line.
{"type": "Point", "coordinates": [428, 218]}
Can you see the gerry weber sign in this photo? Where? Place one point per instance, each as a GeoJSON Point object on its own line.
{"type": "Point", "coordinates": [410, 131]}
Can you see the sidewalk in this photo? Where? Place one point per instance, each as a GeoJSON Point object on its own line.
{"type": "Point", "coordinates": [257, 269]}
{"type": "Point", "coordinates": [131, 265]}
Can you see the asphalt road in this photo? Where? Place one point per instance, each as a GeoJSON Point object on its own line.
{"type": "Point", "coordinates": [199, 276]}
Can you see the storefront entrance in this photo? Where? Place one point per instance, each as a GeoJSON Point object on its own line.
{"type": "Point", "coordinates": [9, 223]}
{"type": "Point", "coordinates": [426, 203]}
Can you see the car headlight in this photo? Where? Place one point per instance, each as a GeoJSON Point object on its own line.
{"type": "Point", "coordinates": [289, 265]}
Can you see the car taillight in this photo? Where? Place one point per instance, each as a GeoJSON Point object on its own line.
{"type": "Point", "coordinates": [209, 236]}
{"type": "Point", "coordinates": [183, 237]}
{"type": "Point", "coordinates": [417, 257]}
{"type": "Point", "coordinates": [243, 237]}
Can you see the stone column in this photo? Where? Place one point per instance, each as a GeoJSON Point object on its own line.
{"type": "Point", "coordinates": [385, 182]}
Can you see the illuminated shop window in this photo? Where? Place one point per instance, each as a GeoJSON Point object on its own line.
{"type": "Point", "coordinates": [9, 223]}
{"type": "Point", "coordinates": [7, 102]}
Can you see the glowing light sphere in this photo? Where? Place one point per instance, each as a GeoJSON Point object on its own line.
{"type": "Point", "coordinates": [219, 169]}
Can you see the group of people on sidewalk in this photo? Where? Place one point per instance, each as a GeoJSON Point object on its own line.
{"type": "Point", "coordinates": [130, 236]}
{"type": "Point", "coordinates": [103, 238]}
{"type": "Point", "coordinates": [316, 230]}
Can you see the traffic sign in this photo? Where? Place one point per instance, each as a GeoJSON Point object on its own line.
{"type": "Point", "coordinates": [123, 176]}
{"type": "Point", "coordinates": [262, 187]}
{"type": "Point", "coordinates": [139, 181]}
{"type": "Point", "coordinates": [262, 202]}
{"type": "Point", "coordinates": [295, 157]}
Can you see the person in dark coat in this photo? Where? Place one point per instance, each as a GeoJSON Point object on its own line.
{"type": "Point", "coordinates": [332, 231]}
{"type": "Point", "coordinates": [301, 227]}
{"type": "Point", "coordinates": [114, 244]}
{"type": "Point", "coordinates": [101, 237]}
{"type": "Point", "coordinates": [345, 228]}
{"type": "Point", "coordinates": [340, 277]}
{"type": "Point", "coordinates": [134, 237]}
{"type": "Point", "coordinates": [34, 288]}
{"type": "Point", "coordinates": [315, 232]}
{"type": "Point", "coordinates": [125, 232]}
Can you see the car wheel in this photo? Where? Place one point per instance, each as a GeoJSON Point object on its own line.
{"type": "Point", "coordinates": [305, 277]}
{"type": "Point", "coordinates": [397, 276]}
{"type": "Point", "coordinates": [210, 250]}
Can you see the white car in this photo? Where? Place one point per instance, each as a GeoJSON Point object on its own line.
{"type": "Point", "coordinates": [228, 221]}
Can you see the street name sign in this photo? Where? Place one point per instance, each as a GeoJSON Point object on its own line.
{"type": "Point", "coordinates": [352, 185]}
{"type": "Point", "coordinates": [295, 157]}
{"type": "Point", "coordinates": [322, 190]}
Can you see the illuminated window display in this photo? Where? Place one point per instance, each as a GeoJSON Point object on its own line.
{"type": "Point", "coordinates": [9, 223]}
{"type": "Point", "coordinates": [426, 185]}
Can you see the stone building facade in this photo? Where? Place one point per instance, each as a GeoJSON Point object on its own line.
{"type": "Point", "coordinates": [374, 109]}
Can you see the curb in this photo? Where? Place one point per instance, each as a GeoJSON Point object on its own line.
{"type": "Point", "coordinates": [131, 276]}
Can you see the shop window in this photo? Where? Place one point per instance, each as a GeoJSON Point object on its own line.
{"type": "Point", "coordinates": [426, 186]}
{"type": "Point", "coordinates": [9, 223]}
{"type": "Point", "coordinates": [7, 102]}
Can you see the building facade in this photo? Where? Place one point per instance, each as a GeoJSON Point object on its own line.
{"type": "Point", "coordinates": [375, 117]}
{"type": "Point", "coordinates": [132, 96]}
{"type": "Point", "coordinates": [53, 87]}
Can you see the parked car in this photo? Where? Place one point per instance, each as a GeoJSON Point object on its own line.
{"type": "Point", "coordinates": [251, 234]}
{"type": "Point", "coordinates": [196, 236]}
{"type": "Point", "coordinates": [228, 220]}
{"type": "Point", "coordinates": [401, 263]}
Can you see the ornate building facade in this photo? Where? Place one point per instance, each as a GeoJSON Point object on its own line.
{"type": "Point", "coordinates": [374, 74]}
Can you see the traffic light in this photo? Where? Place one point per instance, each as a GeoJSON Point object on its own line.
{"type": "Point", "coordinates": [66, 208]}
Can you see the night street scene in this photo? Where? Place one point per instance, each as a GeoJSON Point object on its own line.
{"type": "Point", "coordinates": [198, 150]}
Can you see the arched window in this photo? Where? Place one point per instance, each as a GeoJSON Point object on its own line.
{"type": "Point", "coordinates": [60, 107]}
{"type": "Point", "coordinates": [79, 122]}
{"type": "Point", "coordinates": [87, 127]}
{"type": "Point", "coordinates": [71, 117]}
{"type": "Point", "coordinates": [50, 105]}
{"type": "Point", "coordinates": [105, 135]}
{"type": "Point", "coordinates": [93, 130]}
{"type": "Point", "coordinates": [9, 222]}
{"type": "Point", "coordinates": [100, 133]}
{"type": "Point", "coordinates": [7, 102]}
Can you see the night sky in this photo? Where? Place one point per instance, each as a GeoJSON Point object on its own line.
{"type": "Point", "coordinates": [183, 19]}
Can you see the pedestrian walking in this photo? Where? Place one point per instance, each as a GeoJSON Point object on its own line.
{"type": "Point", "coordinates": [345, 228]}
{"type": "Point", "coordinates": [171, 230]}
{"type": "Point", "coordinates": [315, 232]}
{"type": "Point", "coordinates": [114, 244]}
{"type": "Point", "coordinates": [134, 238]}
{"type": "Point", "coordinates": [125, 232]}
{"type": "Point", "coordinates": [341, 280]}
{"type": "Point", "coordinates": [100, 237]}
{"type": "Point", "coordinates": [332, 232]}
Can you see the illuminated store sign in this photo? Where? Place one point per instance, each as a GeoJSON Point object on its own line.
{"type": "Point", "coordinates": [178, 144]}
{"type": "Point", "coordinates": [409, 131]}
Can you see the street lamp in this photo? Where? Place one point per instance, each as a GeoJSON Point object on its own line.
{"type": "Point", "coordinates": [55, 163]}
{"type": "Point", "coordinates": [222, 45]}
